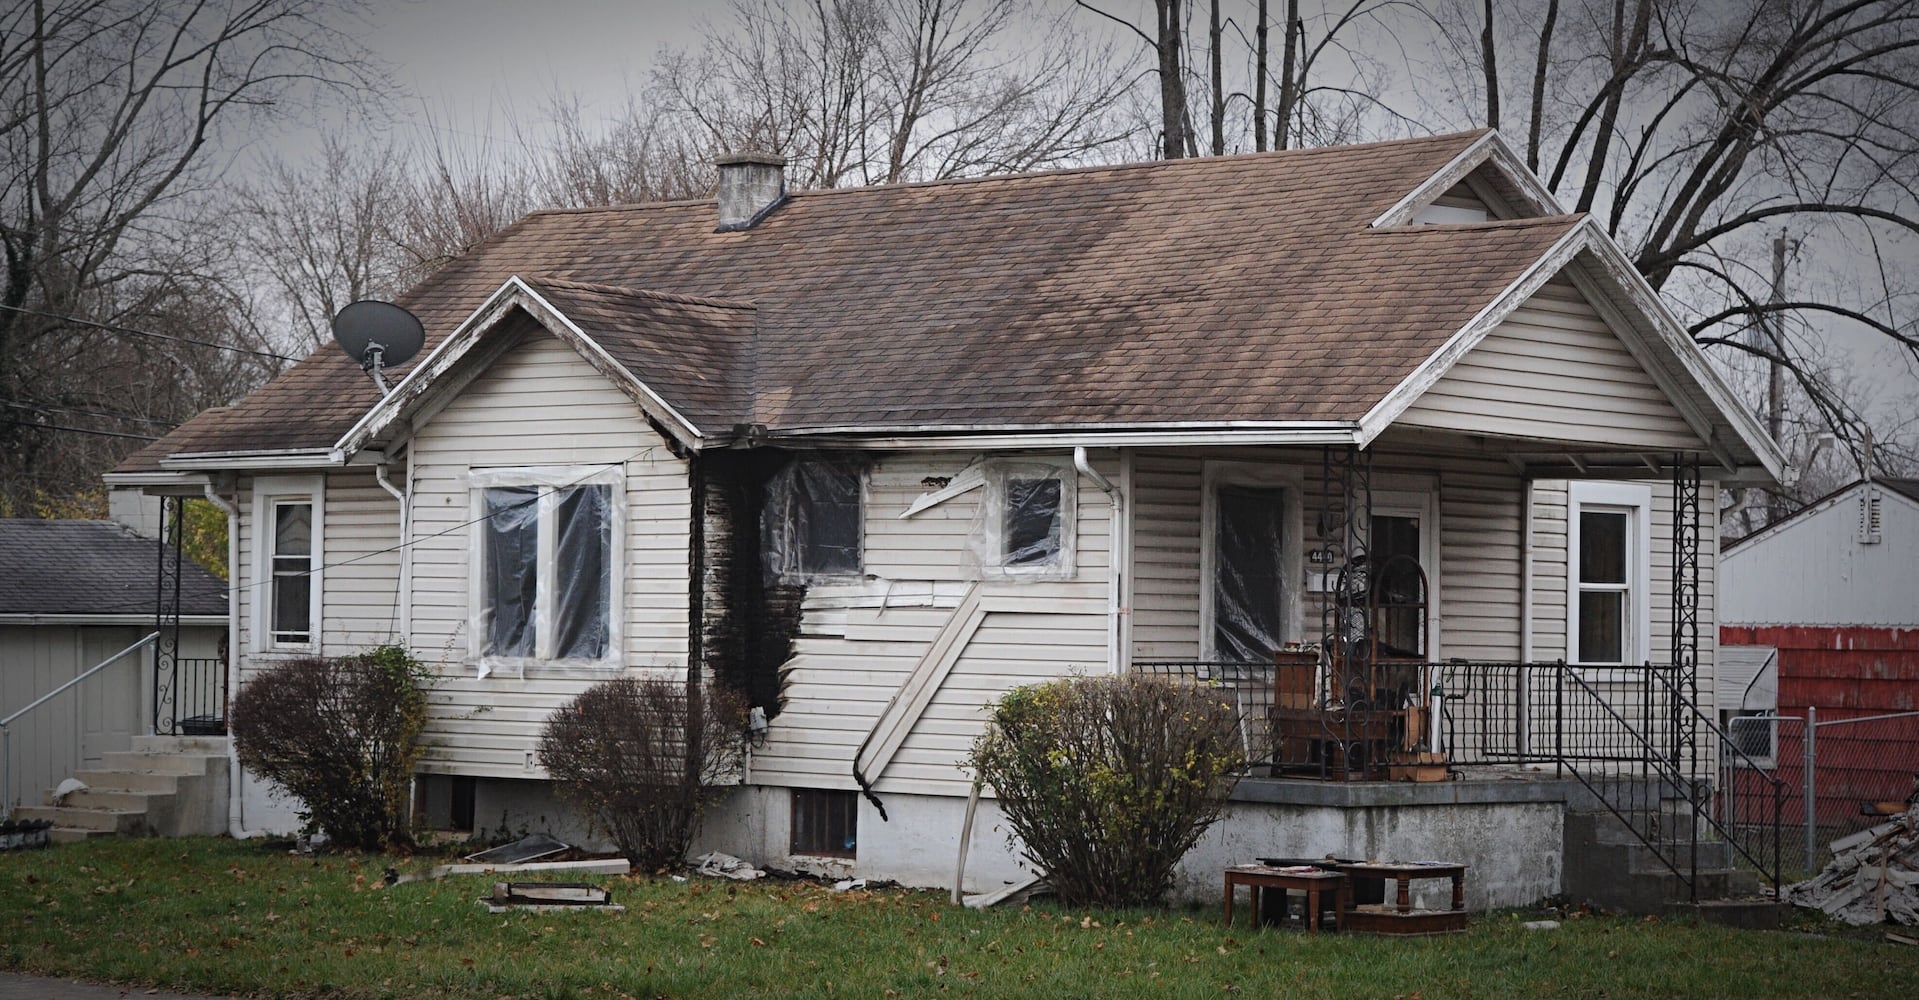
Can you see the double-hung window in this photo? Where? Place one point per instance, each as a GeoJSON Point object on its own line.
{"type": "Point", "coordinates": [287, 516]}
{"type": "Point", "coordinates": [547, 552]}
{"type": "Point", "coordinates": [812, 522]}
{"type": "Point", "coordinates": [1028, 517]}
{"type": "Point", "coordinates": [1609, 551]}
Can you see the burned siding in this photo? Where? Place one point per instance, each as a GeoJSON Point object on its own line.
{"type": "Point", "coordinates": [747, 624]}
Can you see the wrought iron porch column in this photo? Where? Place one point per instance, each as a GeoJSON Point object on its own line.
{"type": "Point", "coordinates": [166, 616]}
{"type": "Point", "coordinates": [1685, 643]}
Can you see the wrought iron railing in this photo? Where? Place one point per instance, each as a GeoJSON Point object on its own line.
{"type": "Point", "coordinates": [194, 702]}
{"type": "Point", "coordinates": [1631, 735]}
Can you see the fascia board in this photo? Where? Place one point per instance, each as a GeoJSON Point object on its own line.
{"type": "Point", "coordinates": [1467, 337]}
{"type": "Point", "coordinates": [1318, 434]}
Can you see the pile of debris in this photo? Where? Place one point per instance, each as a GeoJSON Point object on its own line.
{"type": "Point", "coordinates": [1873, 876]}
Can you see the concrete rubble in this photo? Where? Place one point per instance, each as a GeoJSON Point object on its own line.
{"type": "Point", "coordinates": [1873, 876]}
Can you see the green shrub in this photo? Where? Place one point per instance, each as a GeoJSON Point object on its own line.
{"type": "Point", "coordinates": [343, 735]}
{"type": "Point", "coordinates": [631, 754]}
{"type": "Point", "coordinates": [1106, 782]}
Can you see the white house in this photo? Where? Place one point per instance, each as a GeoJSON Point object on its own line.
{"type": "Point", "coordinates": [875, 456]}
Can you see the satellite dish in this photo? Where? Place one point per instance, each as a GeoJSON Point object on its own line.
{"type": "Point", "coordinates": [378, 334]}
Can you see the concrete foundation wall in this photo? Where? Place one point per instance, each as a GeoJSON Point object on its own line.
{"type": "Point", "coordinates": [1510, 834]}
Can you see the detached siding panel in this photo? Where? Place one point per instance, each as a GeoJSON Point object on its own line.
{"type": "Point", "coordinates": [540, 404]}
{"type": "Point", "coordinates": [1553, 369]}
{"type": "Point", "coordinates": [853, 654]}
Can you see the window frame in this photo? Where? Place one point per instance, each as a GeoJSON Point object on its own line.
{"type": "Point", "coordinates": [1635, 501]}
{"type": "Point", "coordinates": [269, 492]}
{"type": "Point", "coordinates": [1290, 482]}
{"type": "Point", "coordinates": [994, 510]}
{"type": "Point", "coordinates": [549, 480]}
{"type": "Point", "coordinates": [790, 572]}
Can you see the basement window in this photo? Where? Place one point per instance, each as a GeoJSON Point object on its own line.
{"type": "Point", "coordinates": [812, 523]}
{"type": "Point", "coordinates": [825, 823]}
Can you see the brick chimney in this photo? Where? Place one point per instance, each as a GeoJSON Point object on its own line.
{"type": "Point", "coordinates": [751, 185]}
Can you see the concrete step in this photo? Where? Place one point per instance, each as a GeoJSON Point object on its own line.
{"type": "Point", "coordinates": [119, 801]}
{"type": "Point", "coordinates": [129, 781]}
{"type": "Point", "coordinates": [161, 763]}
{"type": "Point", "coordinates": [73, 835]}
{"type": "Point", "coordinates": [181, 744]}
{"type": "Point", "coordinates": [126, 822]}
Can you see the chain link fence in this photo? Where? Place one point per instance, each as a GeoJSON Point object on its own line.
{"type": "Point", "coordinates": [1842, 775]}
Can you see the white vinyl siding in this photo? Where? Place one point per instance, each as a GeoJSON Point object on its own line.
{"type": "Point", "coordinates": [860, 641]}
{"type": "Point", "coordinates": [1553, 370]}
{"type": "Point", "coordinates": [539, 404]}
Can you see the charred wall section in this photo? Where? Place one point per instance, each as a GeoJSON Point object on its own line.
{"type": "Point", "coordinates": [748, 625]}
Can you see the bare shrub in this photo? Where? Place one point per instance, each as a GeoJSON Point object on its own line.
{"type": "Point", "coordinates": [1108, 781]}
{"type": "Point", "coordinates": [643, 759]}
{"type": "Point", "coordinates": [343, 735]}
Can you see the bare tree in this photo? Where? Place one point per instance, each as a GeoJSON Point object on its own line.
{"type": "Point", "coordinates": [319, 237]}
{"type": "Point", "coordinates": [1697, 133]}
{"type": "Point", "coordinates": [882, 91]}
{"type": "Point", "coordinates": [109, 114]}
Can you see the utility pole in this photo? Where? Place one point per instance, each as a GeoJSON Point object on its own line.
{"type": "Point", "coordinates": [1776, 377]}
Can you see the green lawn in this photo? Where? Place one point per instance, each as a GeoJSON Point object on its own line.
{"type": "Point", "coordinates": [218, 916]}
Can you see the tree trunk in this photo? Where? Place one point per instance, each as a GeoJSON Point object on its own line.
{"type": "Point", "coordinates": [1259, 80]}
{"type": "Point", "coordinates": [1288, 85]}
{"type": "Point", "coordinates": [1172, 81]}
{"type": "Point", "coordinates": [1538, 111]}
{"type": "Point", "coordinates": [1219, 87]}
{"type": "Point", "coordinates": [1488, 53]}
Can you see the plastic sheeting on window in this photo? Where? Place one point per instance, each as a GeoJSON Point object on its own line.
{"type": "Point", "coordinates": [509, 570]}
{"type": "Point", "coordinates": [582, 572]}
{"type": "Point", "coordinates": [1249, 578]}
{"type": "Point", "coordinates": [811, 524]}
{"type": "Point", "coordinates": [1024, 529]}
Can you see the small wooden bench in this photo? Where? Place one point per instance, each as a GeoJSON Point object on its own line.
{"type": "Point", "coordinates": [1399, 917]}
{"type": "Point", "coordinates": [1313, 882]}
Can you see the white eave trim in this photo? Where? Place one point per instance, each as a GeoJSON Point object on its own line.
{"type": "Point", "coordinates": [32, 618]}
{"type": "Point", "coordinates": [218, 460]}
{"type": "Point", "coordinates": [1147, 436]}
{"type": "Point", "coordinates": [155, 478]}
{"type": "Point", "coordinates": [1488, 148]}
{"type": "Point", "coordinates": [514, 293]}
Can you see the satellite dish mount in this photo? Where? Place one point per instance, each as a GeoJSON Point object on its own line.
{"type": "Point", "coordinates": [378, 334]}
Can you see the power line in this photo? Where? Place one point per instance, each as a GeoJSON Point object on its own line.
{"type": "Point", "coordinates": [82, 430]}
{"type": "Point", "coordinates": [17, 404]}
{"type": "Point", "coordinates": [116, 328]}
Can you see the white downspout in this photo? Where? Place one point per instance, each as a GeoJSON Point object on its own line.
{"type": "Point", "coordinates": [403, 627]}
{"type": "Point", "coordinates": [236, 814]}
{"type": "Point", "coordinates": [1115, 594]}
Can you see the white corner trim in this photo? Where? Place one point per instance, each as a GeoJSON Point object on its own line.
{"type": "Point", "coordinates": [1435, 367]}
{"type": "Point", "coordinates": [1489, 148]}
{"type": "Point", "coordinates": [513, 293]}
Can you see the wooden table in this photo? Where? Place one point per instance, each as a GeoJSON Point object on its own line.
{"type": "Point", "coordinates": [1399, 917]}
{"type": "Point", "coordinates": [1311, 881]}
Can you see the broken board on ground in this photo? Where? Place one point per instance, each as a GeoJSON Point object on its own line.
{"type": "Point", "coordinates": [527, 848]}
{"type": "Point", "coordinates": [550, 896]}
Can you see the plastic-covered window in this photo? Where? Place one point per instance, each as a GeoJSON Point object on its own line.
{"type": "Point", "coordinates": [1034, 522]}
{"type": "Point", "coordinates": [1249, 573]}
{"type": "Point", "coordinates": [510, 570]}
{"type": "Point", "coordinates": [582, 571]}
{"type": "Point", "coordinates": [812, 522]}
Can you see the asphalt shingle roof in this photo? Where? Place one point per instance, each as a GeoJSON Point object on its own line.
{"type": "Point", "coordinates": [1217, 290]}
{"type": "Point", "coordinates": [70, 567]}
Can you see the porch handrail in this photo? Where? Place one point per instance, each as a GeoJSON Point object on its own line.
{"type": "Point", "coordinates": [6, 724]}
